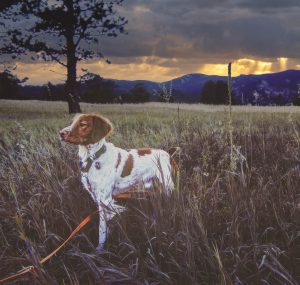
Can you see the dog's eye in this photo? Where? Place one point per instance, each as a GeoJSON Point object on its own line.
{"type": "Point", "coordinates": [83, 124]}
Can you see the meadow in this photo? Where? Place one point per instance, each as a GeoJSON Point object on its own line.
{"type": "Point", "coordinates": [235, 219]}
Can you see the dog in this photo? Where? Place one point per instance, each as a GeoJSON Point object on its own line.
{"type": "Point", "coordinates": [107, 170]}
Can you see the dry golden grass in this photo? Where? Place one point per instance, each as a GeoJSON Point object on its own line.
{"type": "Point", "coordinates": [228, 225]}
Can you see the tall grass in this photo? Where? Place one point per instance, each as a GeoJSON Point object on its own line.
{"type": "Point", "coordinates": [224, 226]}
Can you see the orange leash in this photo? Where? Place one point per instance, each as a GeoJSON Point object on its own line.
{"type": "Point", "coordinates": [124, 196]}
{"type": "Point", "coordinates": [32, 268]}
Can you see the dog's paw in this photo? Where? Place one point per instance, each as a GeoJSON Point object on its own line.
{"type": "Point", "coordinates": [100, 247]}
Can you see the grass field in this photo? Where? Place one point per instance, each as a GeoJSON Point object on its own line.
{"type": "Point", "coordinates": [236, 219]}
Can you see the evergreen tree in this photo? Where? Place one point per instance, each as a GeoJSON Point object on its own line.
{"type": "Point", "coordinates": [63, 31]}
{"type": "Point", "coordinates": [221, 95]}
{"type": "Point", "coordinates": [216, 93]}
{"type": "Point", "coordinates": [99, 90]}
{"type": "Point", "coordinates": [208, 92]}
{"type": "Point", "coordinates": [9, 85]}
{"type": "Point", "coordinates": [140, 94]}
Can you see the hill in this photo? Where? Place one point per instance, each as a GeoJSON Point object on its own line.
{"type": "Point", "coordinates": [266, 89]}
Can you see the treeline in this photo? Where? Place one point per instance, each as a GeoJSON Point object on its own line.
{"type": "Point", "coordinates": [99, 90]}
{"type": "Point", "coordinates": [10, 85]}
{"type": "Point", "coordinates": [95, 89]}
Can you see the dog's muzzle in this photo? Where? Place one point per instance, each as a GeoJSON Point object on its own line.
{"type": "Point", "coordinates": [64, 133]}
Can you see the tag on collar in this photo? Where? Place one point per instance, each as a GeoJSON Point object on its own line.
{"type": "Point", "coordinates": [90, 160]}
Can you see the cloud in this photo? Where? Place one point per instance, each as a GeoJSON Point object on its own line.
{"type": "Point", "coordinates": [262, 4]}
{"type": "Point", "coordinates": [225, 29]}
{"type": "Point", "coordinates": [173, 37]}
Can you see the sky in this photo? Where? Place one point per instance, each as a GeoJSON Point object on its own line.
{"type": "Point", "coordinates": [170, 38]}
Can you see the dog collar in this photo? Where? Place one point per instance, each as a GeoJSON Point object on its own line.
{"type": "Point", "coordinates": [90, 160]}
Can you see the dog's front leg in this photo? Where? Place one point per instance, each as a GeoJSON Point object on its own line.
{"type": "Point", "coordinates": [105, 215]}
{"type": "Point", "coordinates": [102, 229]}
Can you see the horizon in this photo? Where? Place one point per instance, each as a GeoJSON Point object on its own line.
{"type": "Point", "coordinates": [28, 83]}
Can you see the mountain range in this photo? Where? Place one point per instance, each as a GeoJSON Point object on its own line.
{"type": "Point", "coordinates": [263, 89]}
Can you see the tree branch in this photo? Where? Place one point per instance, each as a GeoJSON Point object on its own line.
{"type": "Point", "coordinates": [55, 58]}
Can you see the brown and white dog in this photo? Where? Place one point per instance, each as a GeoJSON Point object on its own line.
{"type": "Point", "coordinates": [107, 170]}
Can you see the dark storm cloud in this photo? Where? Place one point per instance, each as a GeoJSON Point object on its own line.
{"type": "Point", "coordinates": [211, 29]}
{"type": "Point", "coordinates": [273, 4]}
{"type": "Point", "coordinates": [214, 30]}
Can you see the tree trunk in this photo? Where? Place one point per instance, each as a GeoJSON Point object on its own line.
{"type": "Point", "coordinates": [71, 84]}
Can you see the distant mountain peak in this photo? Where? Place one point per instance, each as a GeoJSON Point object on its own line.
{"type": "Point", "coordinates": [268, 88]}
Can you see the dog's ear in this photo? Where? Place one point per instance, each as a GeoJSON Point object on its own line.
{"type": "Point", "coordinates": [102, 127]}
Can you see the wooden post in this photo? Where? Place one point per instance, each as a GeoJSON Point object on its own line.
{"type": "Point", "coordinates": [232, 163]}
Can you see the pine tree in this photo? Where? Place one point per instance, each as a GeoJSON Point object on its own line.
{"type": "Point", "coordinates": [61, 31]}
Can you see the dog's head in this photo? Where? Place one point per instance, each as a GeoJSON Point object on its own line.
{"type": "Point", "coordinates": [86, 129]}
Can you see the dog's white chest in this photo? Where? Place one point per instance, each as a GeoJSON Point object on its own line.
{"type": "Point", "coordinates": [99, 182]}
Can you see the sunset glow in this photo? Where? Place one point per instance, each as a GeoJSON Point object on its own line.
{"type": "Point", "coordinates": [240, 66]}
{"type": "Point", "coordinates": [150, 68]}
{"type": "Point", "coordinates": [283, 63]}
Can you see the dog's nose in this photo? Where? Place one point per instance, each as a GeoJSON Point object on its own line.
{"type": "Point", "coordinates": [63, 133]}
